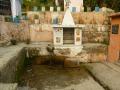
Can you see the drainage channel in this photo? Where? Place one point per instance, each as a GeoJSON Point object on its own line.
{"type": "Point", "coordinates": [97, 80]}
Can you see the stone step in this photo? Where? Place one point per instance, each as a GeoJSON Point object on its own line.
{"type": "Point", "coordinates": [68, 41]}
{"type": "Point", "coordinates": [68, 38]}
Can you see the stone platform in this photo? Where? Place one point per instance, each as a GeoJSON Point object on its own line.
{"type": "Point", "coordinates": [104, 76]}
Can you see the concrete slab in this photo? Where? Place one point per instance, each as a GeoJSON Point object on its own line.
{"type": "Point", "coordinates": [113, 66]}
{"type": "Point", "coordinates": [89, 84]}
{"type": "Point", "coordinates": [6, 53]}
{"type": "Point", "coordinates": [108, 76]}
{"type": "Point", "coordinates": [8, 86]}
{"type": "Point", "coordinates": [118, 64]}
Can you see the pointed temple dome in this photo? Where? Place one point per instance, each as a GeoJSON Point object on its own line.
{"type": "Point", "coordinates": [68, 19]}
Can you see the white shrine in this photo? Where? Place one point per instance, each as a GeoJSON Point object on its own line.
{"type": "Point", "coordinates": [68, 35]}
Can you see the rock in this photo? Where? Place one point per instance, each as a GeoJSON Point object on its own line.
{"type": "Point", "coordinates": [83, 56]}
{"type": "Point", "coordinates": [97, 57]}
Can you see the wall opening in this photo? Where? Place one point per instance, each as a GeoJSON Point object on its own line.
{"type": "Point", "coordinates": [68, 35]}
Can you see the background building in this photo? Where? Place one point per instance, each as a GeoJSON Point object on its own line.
{"type": "Point", "coordinates": [114, 46]}
{"type": "Point", "coordinates": [74, 5]}
{"type": "Point", "coordinates": [5, 7]}
{"type": "Point", "coordinates": [10, 7]}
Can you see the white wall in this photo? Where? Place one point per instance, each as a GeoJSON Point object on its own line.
{"type": "Point", "coordinates": [78, 36]}
{"type": "Point", "coordinates": [16, 8]}
{"type": "Point", "coordinates": [58, 33]}
{"type": "Point", "coordinates": [74, 3]}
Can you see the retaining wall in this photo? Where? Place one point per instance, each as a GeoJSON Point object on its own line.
{"type": "Point", "coordinates": [10, 64]}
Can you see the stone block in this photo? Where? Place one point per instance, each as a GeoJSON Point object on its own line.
{"type": "Point", "coordinates": [41, 60]}
{"type": "Point", "coordinates": [71, 63]}
{"type": "Point", "coordinates": [63, 52]}
{"type": "Point", "coordinates": [98, 57]}
{"type": "Point", "coordinates": [82, 9]}
{"type": "Point", "coordinates": [43, 9]}
{"type": "Point", "coordinates": [8, 86]}
{"type": "Point", "coordinates": [58, 9]}
{"type": "Point", "coordinates": [36, 21]}
{"type": "Point", "coordinates": [51, 9]}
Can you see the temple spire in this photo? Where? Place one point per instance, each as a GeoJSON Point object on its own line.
{"type": "Point", "coordinates": [68, 19]}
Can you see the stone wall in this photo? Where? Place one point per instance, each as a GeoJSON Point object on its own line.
{"type": "Point", "coordinates": [97, 25]}
{"type": "Point", "coordinates": [41, 33]}
{"type": "Point", "coordinates": [95, 52]}
{"type": "Point", "coordinates": [91, 53]}
{"type": "Point", "coordinates": [19, 31]}
{"type": "Point", "coordinates": [96, 34]}
{"type": "Point", "coordinates": [100, 18]}
{"type": "Point", "coordinates": [11, 65]}
{"type": "Point", "coordinates": [92, 33]}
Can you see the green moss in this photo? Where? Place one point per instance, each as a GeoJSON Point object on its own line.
{"type": "Point", "coordinates": [21, 68]}
{"type": "Point", "coordinates": [106, 42]}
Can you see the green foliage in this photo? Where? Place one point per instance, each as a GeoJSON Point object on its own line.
{"type": "Point", "coordinates": [28, 5]}
{"type": "Point", "coordinates": [8, 19]}
{"type": "Point", "coordinates": [20, 70]}
{"type": "Point", "coordinates": [114, 4]}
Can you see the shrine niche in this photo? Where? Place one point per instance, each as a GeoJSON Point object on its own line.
{"type": "Point", "coordinates": [67, 35]}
